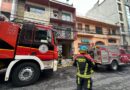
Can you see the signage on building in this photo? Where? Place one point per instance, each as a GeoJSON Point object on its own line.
{"type": "Point", "coordinates": [85, 41]}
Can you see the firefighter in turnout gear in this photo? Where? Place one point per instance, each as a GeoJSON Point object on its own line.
{"type": "Point", "coordinates": [85, 65]}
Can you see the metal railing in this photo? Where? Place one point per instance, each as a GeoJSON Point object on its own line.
{"type": "Point", "coordinates": [93, 31]}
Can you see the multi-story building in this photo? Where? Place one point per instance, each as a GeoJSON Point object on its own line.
{"type": "Point", "coordinates": [60, 15]}
{"type": "Point", "coordinates": [127, 8]}
{"type": "Point", "coordinates": [112, 11]}
{"type": "Point", "coordinates": [96, 33]}
{"type": "Point", "coordinates": [6, 8]}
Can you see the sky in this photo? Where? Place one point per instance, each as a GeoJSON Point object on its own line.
{"type": "Point", "coordinates": [82, 6]}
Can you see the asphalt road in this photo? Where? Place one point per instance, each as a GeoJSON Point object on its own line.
{"type": "Point", "coordinates": [64, 79]}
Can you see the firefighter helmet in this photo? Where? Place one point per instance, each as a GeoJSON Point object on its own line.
{"type": "Point", "coordinates": [83, 49]}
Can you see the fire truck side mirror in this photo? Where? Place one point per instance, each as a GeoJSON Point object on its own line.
{"type": "Point", "coordinates": [2, 18]}
{"type": "Point", "coordinates": [49, 39]}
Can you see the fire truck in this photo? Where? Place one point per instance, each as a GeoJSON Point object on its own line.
{"type": "Point", "coordinates": [26, 50]}
{"type": "Point", "coordinates": [110, 56]}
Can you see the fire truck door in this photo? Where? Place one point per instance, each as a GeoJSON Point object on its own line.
{"type": "Point", "coordinates": [104, 56]}
{"type": "Point", "coordinates": [41, 47]}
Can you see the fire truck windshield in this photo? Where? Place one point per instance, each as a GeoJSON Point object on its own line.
{"type": "Point", "coordinates": [40, 35]}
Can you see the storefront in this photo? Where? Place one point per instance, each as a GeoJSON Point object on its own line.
{"type": "Point", "coordinates": [65, 48]}
{"type": "Point", "coordinates": [87, 41]}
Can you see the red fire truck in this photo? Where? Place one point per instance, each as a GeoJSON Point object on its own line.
{"type": "Point", "coordinates": [111, 56]}
{"type": "Point", "coordinates": [26, 50]}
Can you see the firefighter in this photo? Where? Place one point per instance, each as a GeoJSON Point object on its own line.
{"type": "Point", "coordinates": [85, 66]}
{"type": "Point", "coordinates": [60, 59]}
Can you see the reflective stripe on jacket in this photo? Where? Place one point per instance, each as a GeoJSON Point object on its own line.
{"type": "Point", "coordinates": [84, 66]}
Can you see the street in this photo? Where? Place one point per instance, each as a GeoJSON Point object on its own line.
{"type": "Point", "coordinates": [64, 79]}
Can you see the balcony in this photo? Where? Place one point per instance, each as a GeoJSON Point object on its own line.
{"type": "Point", "coordinates": [91, 32]}
{"type": "Point", "coordinates": [86, 32]}
{"type": "Point", "coordinates": [64, 34]}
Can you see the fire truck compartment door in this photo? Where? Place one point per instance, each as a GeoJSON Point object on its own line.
{"type": "Point", "coordinates": [104, 57]}
{"type": "Point", "coordinates": [8, 39]}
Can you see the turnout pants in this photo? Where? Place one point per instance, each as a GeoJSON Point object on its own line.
{"type": "Point", "coordinates": [84, 84]}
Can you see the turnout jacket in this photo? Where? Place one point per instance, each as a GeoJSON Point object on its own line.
{"type": "Point", "coordinates": [85, 65]}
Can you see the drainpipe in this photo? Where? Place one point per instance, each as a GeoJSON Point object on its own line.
{"type": "Point", "coordinates": [13, 10]}
{"type": "Point", "coordinates": [0, 6]}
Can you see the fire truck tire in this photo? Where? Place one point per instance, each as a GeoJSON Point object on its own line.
{"type": "Point", "coordinates": [25, 74]}
{"type": "Point", "coordinates": [114, 65]}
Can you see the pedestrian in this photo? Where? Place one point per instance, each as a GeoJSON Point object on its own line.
{"type": "Point", "coordinates": [85, 65]}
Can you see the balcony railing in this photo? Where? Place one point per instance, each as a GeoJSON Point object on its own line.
{"type": "Point", "coordinates": [87, 31]}
{"type": "Point", "coordinates": [64, 34]}
{"type": "Point", "coordinates": [93, 31]}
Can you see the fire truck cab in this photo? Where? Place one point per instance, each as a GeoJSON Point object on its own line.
{"type": "Point", "coordinates": [26, 50]}
{"type": "Point", "coordinates": [111, 56]}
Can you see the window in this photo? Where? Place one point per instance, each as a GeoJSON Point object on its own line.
{"type": "Point", "coordinates": [112, 40]}
{"type": "Point", "coordinates": [86, 28]}
{"type": "Point", "coordinates": [122, 27]}
{"type": "Point", "coordinates": [66, 16]}
{"type": "Point", "coordinates": [121, 16]}
{"type": "Point", "coordinates": [119, 7]}
{"type": "Point", "coordinates": [25, 36]}
{"type": "Point", "coordinates": [124, 38]}
{"type": "Point", "coordinates": [79, 26]}
{"type": "Point", "coordinates": [128, 15]}
{"type": "Point", "coordinates": [68, 33]}
{"type": "Point", "coordinates": [55, 14]}
{"type": "Point", "coordinates": [35, 9]}
{"type": "Point", "coordinates": [109, 31]}
{"type": "Point", "coordinates": [113, 32]}
{"type": "Point", "coordinates": [40, 35]}
{"type": "Point", "coordinates": [99, 30]}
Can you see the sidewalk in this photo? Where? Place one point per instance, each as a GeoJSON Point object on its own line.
{"type": "Point", "coordinates": [66, 63]}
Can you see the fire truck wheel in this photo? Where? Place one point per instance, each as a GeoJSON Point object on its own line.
{"type": "Point", "coordinates": [25, 74]}
{"type": "Point", "coordinates": [114, 65]}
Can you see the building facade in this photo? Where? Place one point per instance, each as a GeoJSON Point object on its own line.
{"type": "Point", "coordinates": [127, 8]}
{"type": "Point", "coordinates": [6, 8]}
{"type": "Point", "coordinates": [112, 11]}
{"type": "Point", "coordinates": [96, 33]}
{"type": "Point", "coordinates": [47, 12]}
